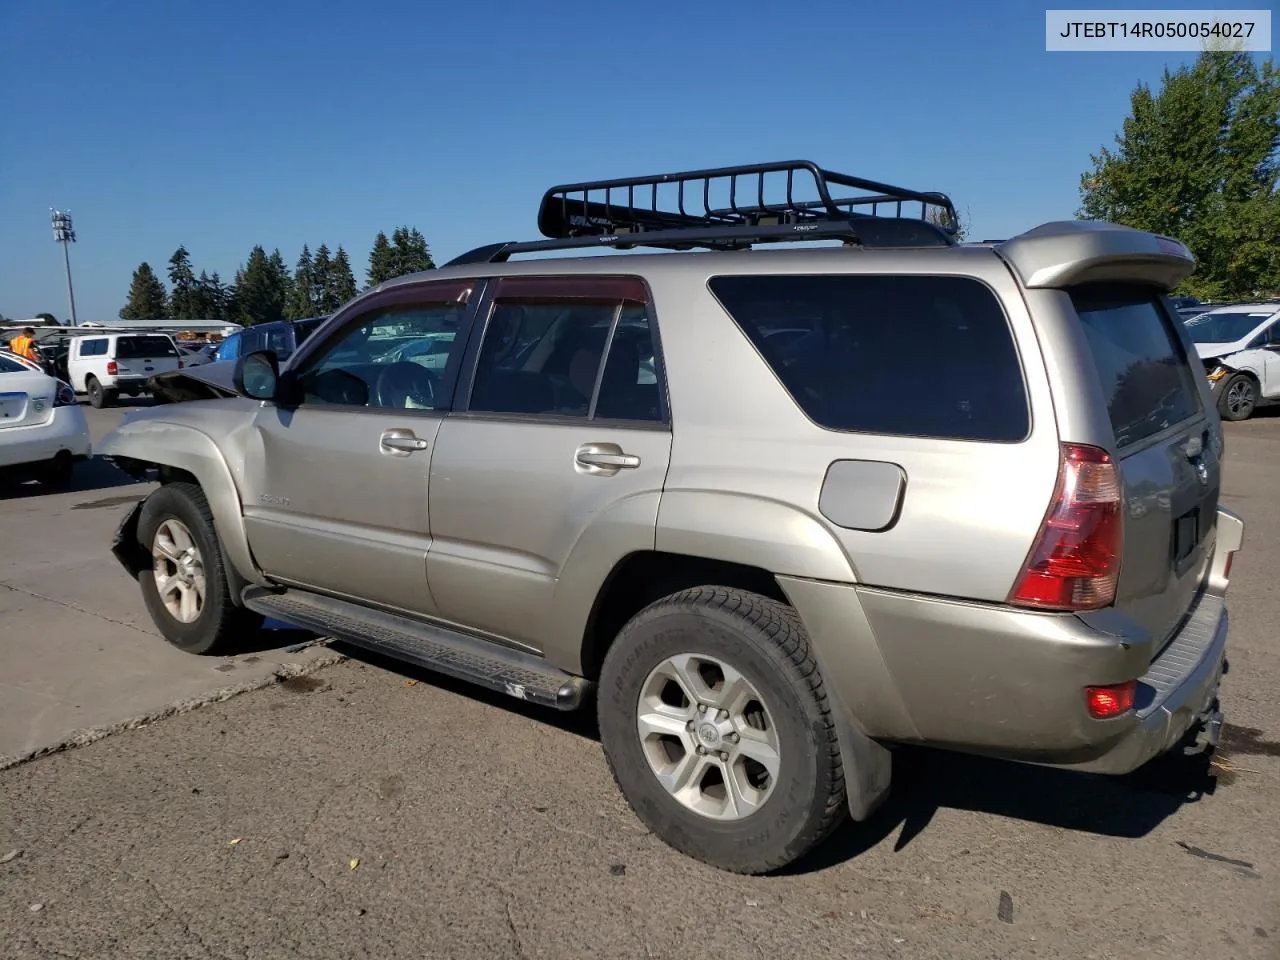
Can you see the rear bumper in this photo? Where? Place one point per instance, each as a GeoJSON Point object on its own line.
{"type": "Point", "coordinates": [1003, 682]}
{"type": "Point", "coordinates": [67, 429]}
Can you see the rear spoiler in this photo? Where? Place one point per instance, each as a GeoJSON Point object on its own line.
{"type": "Point", "coordinates": [1066, 253]}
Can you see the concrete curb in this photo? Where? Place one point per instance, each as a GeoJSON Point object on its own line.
{"type": "Point", "coordinates": [284, 671]}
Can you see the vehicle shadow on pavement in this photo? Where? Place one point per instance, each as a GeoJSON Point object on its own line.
{"type": "Point", "coordinates": [93, 474]}
{"type": "Point", "coordinates": [926, 781]}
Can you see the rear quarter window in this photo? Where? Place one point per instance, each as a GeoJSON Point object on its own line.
{"type": "Point", "coordinates": [1145, 374]}
{"type": "Point", "coordinates": [919, 356]}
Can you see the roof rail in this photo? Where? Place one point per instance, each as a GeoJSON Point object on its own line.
{"type": "Point", "coordinates": [711, 209]}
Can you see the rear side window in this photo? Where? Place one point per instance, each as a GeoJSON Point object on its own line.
{"type": "Point", "coordinates": [1145, 375]}
{"type": "Point", "coordinates": [11, 366]}
{"type": "Point", "coordinates": [139, 348]}
{"type": "Point", "coordinates": [93, 348]}
{"type": "Point", "coordinates": [916, 356]}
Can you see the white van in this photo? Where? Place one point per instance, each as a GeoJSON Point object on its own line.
{"type": "Point", "coordinates": [114, 363]}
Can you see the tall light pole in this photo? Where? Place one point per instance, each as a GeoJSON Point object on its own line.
{"type": "Point", "coordinates": [64, 233]}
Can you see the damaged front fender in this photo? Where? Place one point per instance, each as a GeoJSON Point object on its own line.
{"type": "Point", "coordinates": [126, 548]}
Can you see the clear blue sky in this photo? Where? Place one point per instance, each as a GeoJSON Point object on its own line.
{"type": "Point", "coordinates": [221, 125]}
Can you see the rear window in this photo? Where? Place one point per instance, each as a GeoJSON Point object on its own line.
{"type": "Point", "coordinates": [916, 356]}
{"type": "Point", "coordinates": [141, 348]}
{"type": "Point", "coordinates": [1145, 374]}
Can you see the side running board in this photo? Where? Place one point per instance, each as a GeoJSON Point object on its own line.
{"type": "Point", "coordinates": [435, 647]}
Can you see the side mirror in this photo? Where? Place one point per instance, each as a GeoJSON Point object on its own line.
{"type": "Point", "coordinates": [257, 375]}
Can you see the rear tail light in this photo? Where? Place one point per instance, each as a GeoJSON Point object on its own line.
{"type": "Point", "coordinates": [1075, 563]}
{"type": "Point", "coordinates": [1107, 702]}
{"type": "Point", "coordinates": [65, 397]}
{"type": "Point", "coordinates": [111, 368]}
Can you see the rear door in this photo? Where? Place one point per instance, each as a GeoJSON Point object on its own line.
{"type": "Point", "coordinates": [552, 470]}
{"type": "Point", "coordinates": [1169, 465]}
{"type": "Point", "coordinates": [141, 356]}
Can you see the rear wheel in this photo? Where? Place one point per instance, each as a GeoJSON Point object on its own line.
{"type": "Point", "coordinates": [718, 730]}
{"type": "Point", "coordinates": [1239, 397]}
{"type": "Point", "coordinates": [186, 588]}
{"type": "Point", "coordinates": [97, 396]}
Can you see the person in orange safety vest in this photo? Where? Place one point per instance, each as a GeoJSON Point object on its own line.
{"type": "Point", "coordinates": [24, 345]}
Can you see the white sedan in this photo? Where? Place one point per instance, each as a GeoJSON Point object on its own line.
{"type": "Point", "coordinates": [43, 431]}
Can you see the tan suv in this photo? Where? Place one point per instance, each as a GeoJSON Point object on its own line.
{"type": "Point", "coordinates": [778, 509]}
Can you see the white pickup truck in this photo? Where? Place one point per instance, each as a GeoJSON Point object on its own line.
{"type": "Point", "coordinates": [107, 365]}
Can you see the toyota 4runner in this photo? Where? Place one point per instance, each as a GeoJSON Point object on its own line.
{"type": "Point", "coordinates": [776, 510]}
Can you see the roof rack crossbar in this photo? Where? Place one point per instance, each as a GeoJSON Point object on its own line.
{"type": "Point", "coordinates": [870, 231]}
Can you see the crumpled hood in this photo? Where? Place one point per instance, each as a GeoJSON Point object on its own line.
{"type": "Point", "coordinates": [1207, 350]}
{"type": "Point", "coordinates": [205, 381]}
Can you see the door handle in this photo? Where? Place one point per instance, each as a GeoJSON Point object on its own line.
{"type": "Point", "coordinates": [401, 441]}
{"type": "Point", "coordinates": [605, 458]}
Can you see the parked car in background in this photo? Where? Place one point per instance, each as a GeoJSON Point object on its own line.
{"type": "Point", "coordinates": [683, 482]}
{"type": "Point", "coordinates": [43, 430]}
{"type": "Point", "coordinates": [1240, 347]}
{"type": "Point", "coordinates": [103, 366]}
{"type": "Point", "coordinates": [281, 337]}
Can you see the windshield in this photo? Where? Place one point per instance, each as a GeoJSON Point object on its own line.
{"type": "Point", "coordinates": [1223, 327]}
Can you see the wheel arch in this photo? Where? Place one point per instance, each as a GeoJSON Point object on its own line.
{"type": "Point", "coordinates": [182, 453]}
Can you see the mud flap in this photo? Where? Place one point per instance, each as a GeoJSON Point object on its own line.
{"type": "Point", "coordinates": [868, 766]}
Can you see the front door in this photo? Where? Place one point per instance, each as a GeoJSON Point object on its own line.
{"type": "Point", "coordinates": [336, 480]}
{"type": "Point", "coordinates": [553, 469]}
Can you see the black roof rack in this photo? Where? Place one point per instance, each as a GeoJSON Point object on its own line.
{"type": "Point", "coordinates": [712, 209]}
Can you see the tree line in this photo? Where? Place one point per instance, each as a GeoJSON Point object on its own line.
{"type": "Point", "coordinates": [264, 289]}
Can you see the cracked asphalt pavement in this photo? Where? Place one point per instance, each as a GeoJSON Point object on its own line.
{"type": "Point", "coordinates": [371, 810]}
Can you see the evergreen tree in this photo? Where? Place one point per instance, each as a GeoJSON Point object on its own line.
{"type": "Point", "coordinates": [202, 298]}
{"type": "Point", "coordinates": [302, 302]}
{"type": "Point", "coordinates": [260, 289]}
{"type": "Point", "coordinates": [381, 260]}
{"type": "Point", "coordinates": [409, 253]}
{"type": "Point", "coordinates": [321, 269]}
{"type": "Point", "coordinates": [281, 275]}
{"type": "Point", "coordinates": [182, 280]}
{"type": "Point", "coordinates": [341, 285]}
{"type": "Point", "coordinates": [147, 297]}
{"type": "Point", "coordinates": [46, 318]}
{"type": "Point", "coordinates": [1198, 160]}
{"type": "Point", "coordinates": [221, 299]}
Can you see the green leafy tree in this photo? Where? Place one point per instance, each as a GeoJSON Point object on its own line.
{"type": "Point", "coordinates": [147, 297]}
{"type": "Point", "coordinates": [47, 318]}
{"type": "Point", "coordinates": [183, 304]}
{"type": "Point", "coordinates": [409, 252]}
{"type": "Point", "coordinates": [260, 288]}
{"type": "Point", "coordinates": [381, 260]}
{"type": "Point", "coordinates": [302, 302]}
{"type": "Point", "coordinates": [939, 218]}
{"type": "Point", "coordinates": [1198, 159]}
{"type": "Point", "coordinates": [340, 284]}
{"type": "Point", "coordinates": [201, 300]}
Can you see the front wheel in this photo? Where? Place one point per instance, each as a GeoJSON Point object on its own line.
{"type": "Point", "coordinates": [1239, 397]}
{"type": "Point", "coordinates": [186, 589]}
{"type": "Point", "coordinates": [718, 730]}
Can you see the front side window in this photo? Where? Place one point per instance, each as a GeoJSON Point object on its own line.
{"type": "Point", "coordinates": [576, 348]}
{"type": "Point", "coordinates": [373, 363]}
{"type": "Point", "coordinates": [918, 356]}
{"type": "Point", "coordinates": [1224, 327]}
{"type": "Point", "coordinates": [11, 366]}
{"type": "Point", "coordinates": [229, 348]}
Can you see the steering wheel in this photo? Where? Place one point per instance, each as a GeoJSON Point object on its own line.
{"type": "Point", "coordinates": [405, 385]}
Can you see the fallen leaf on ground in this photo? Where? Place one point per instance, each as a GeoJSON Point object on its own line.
{"type": "Point", "coordinates": [234, 842]}
{"type": "Point", "coordinates": [355, 862]}
{"type": "Point", "coordinates": [10, 856]}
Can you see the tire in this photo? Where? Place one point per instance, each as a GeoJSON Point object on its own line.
{"type": "Point", "coordinates": [1239, 398]}
{"type": "Point", "coordinates": [219, 627]}
{"type": "Point", "coordinates": [97, 396]}
{"type": "Point", "coordinates": [765, 643]}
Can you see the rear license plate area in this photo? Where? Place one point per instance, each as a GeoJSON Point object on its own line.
{"type": "Point", "coordinates": [1186, 536]}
